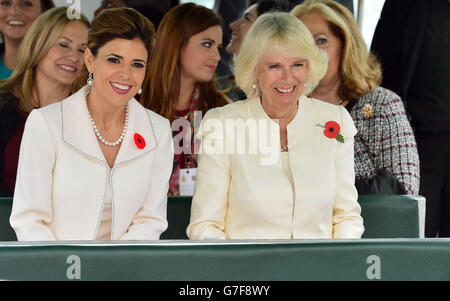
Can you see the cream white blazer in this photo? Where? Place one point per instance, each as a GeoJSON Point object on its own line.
{"type": "Point", "coordinates": [239, 196]}
{"type": "Point", "coordinates": [62, 176]}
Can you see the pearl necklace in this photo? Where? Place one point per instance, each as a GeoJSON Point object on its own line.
{"type": "Point", "coordinates": [285, 148]}
{"type": "Point", "coordinates": [100, 137]}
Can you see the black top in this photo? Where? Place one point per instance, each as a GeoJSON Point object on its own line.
{"type": "Point", "coordinates": [412, 41]}
{"type": "Point", "coordinates": [10, 121]}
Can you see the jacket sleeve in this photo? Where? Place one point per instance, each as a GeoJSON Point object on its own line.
{"type": "Point", "coordinates": [32, 203]}
{"type": "Point", "coordinates": [210, 201]}
{"type": "Point", "coordinates": [398, 146]}
{"type": "Point", "coordinates": [151, 220]}
{"type": "Point", "coordinates": [347, 220]}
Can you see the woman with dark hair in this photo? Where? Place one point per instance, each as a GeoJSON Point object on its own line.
{"type": "Point", "coordinates": [96, 165]}
{"type": "Point", "coordinates": [181, 81]}
{"type": "Point", "coordinates": [49, 57]}
{"type": "Point", "coordinates": [16, 17]}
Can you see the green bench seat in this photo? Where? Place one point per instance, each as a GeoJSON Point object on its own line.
{"type": "Point", "coordinates": [232, 260]}
{"type": "Point", "coordinates": [385, 216]}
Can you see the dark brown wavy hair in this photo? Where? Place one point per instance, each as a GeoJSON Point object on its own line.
{"type": "Point", "coordinates": [162, 87]}
{"type": "Point", "coordinates": [111, 24]}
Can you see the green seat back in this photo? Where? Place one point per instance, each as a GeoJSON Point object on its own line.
{"type": "Point", "coordinates": [6, 232]}
{"type": "Point", "coordinates": [385, 216]}
{"type": "Point", "coordinates": [178, 215]}
{"type": "Point", "coordinates": [389, 216]}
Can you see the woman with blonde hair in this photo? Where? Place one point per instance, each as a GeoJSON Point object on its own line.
{"type": "Point", "coordinates": [16, 18]}
{"type": "Point", "coordinates": [386, 159]}
{"type": "Point", "coordinates": [295, 179]}
{"type": "Point", "coordinates": [96, 165]}
{"type": "Point", "coordinates": [182, 81]}
{"type": "Point", "coordinates": [49, 57]}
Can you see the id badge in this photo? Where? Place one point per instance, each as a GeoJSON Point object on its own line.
{"type": "Point", "coordinates": [187, 181]}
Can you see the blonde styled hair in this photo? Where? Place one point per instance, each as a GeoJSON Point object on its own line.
{"type": "Point", "coordinates": [359, 70]}
{"type": "Point", "coordinates": [282, 32]}
{"type": "Point", "coordinates": [42, 35]}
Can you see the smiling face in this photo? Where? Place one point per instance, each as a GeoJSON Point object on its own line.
{"type": "Point", "coordinates": [200, 56]}
{"type": "Point", "coordinates": [16, 17]}
{"type": "Point", "coordinates": [65, 58]}
{"type": "Point", "coordinates": [119, 70]}
{"type": "Point", "coordinates": [240, 27]}
{"type": "Point", "coordinates": [280, 81]}
{"type": "Point", "coordinates": [326, 40]}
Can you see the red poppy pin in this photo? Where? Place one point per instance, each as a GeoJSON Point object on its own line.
{"type": "Point", "coordinates": [332, 131]}
{"type": "Point", "coordinates": [139, 141]}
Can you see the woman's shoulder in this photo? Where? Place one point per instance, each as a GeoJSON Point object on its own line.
{"type": "Point", "coordinates": [324, 109]}
{"type": "Point", "coordinates": [155, 119]}
{"type": "Point", "coordinates": [325, 112]}
{"type": "Point", "coordinates": [66, 111]}
{"type": "Point", "coordinates": [52, 110]}
{"type": "Point", "coordinates": [378, 102]}
{"type": "Point", "coordinates": [379, 96]}
{"type": "Point", "coordinates": [235, 109]}
{"type": "Point", "coordinates": [322, 105]}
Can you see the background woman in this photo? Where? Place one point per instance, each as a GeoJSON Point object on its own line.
{"type": "Point", "coordinates": [16, 17]}
{"type": "Point", "coordinates": [301, 184]}
{"type": "Point", "coordinates": [181, 79]}
{"type": "Point", "coordinates": [96, 165]}
{"type": "Point", "coordinates": [50, 56]}
{"type": "Point", "coordinates": [239, 28]}
{"type": "Point", "coordinates": [386, 159]}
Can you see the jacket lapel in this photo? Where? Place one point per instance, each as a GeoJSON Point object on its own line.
{"type": "Point", "coordinates": [77, 131]}
{"type": "Point", "coordinates": [301, 127]}
{"type": "Point", "coordinates": [139, 122]}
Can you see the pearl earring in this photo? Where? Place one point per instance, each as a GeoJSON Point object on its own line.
{"type": "Point", "coordinates": [90, 80]}
{"type": "Point", "coordinates": [140, 91]}
{"type": "Point", "coordinates": [255, 84]}
{"type": "Point", "coordinates": [90, 83]}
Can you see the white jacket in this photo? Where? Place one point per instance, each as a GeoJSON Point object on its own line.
{"type": "Point", "coordinates": [242, 196]}
{"type": "Point", "coordinates": [62, 176]}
